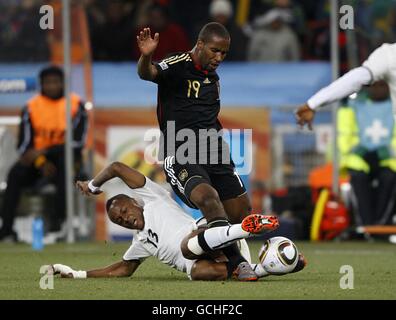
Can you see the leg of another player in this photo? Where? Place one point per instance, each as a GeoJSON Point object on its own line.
{"type": "Point", "coordinates": [237, 208]}
{"type": "Point", "coordinates": [385, 189]}
{"type": "Point", "coordinates": [206, 198]}
{"type": "Point", "coordinates": [361, 186]}
{"type": "Point", "coordinates": [18, 177]}
{"type": "Point", "coordinates": [206, 240]}
{"type": "Point", "coordinates": [202, 242]}
{"type": "Point", "coordinates": [209, 270]}
{"type": "Point", "coordinates": [205, 268]}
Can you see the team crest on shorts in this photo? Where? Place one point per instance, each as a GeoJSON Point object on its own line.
{"type": "Point", "coordinates": [183, 175]}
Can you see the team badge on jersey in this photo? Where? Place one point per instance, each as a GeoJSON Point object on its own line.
{"type": "Point", "coordinates": [163, 65]}
{"type": "Point", "coordinates": [206, 80]}
{"type": "Point", "coordinates": [183, 175]}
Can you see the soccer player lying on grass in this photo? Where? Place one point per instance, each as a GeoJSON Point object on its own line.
{"type": "Point", "coordinates": [162, 229]}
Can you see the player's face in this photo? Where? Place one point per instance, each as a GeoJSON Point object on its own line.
{"type": "Point", "coordinates": [213, 52]}
{"type": "Point", "coordinates": [52, 86]}
{"type": "Point", "coordinates": [127, 213]}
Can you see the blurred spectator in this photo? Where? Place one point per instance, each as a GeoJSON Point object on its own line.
{"type": "Point", "coordinates": [272, 39]}
{"type": "Point", "coordinates": [317, 42]}
{"type": "Point", "coordinates": [296, 13]}
{"type": "Point", "coordinates": [133, 9]}
{"type": "Point", "coordinates": [384, 17]}
{"type": "Point", "coordinates": [259, 7]}
{"type": "Point", "coordinates": [294, 7]}
{"type": "Point", "coordinates": [173, 37]}
{"type": "Point", "coordinates": [221, 11]}
{"type": "Point", "coordinates": [21, 37]}
{"type": "Point", "coordinates": [41, 148]}
{"type": "Point", "coordinates": [113, 40]}
{"type": "Point", "coordinates": [376, 22]}
{"type": "Point", "coordinates": [191, 15]}
{"type": "Point", "coordinates": [95, 14]}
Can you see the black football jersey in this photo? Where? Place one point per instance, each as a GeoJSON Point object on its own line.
{"type": "Point", "coordinates": [188, 97]}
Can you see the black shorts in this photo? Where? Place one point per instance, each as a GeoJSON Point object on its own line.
{"type": "Point", "coordinates": [185, 177]}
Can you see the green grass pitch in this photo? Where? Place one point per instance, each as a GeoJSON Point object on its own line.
{"type": "Point", "coordinates": [374, 275]}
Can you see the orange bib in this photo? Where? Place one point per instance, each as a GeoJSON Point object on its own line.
{"type": "Point", "coordinates": [48, 119]}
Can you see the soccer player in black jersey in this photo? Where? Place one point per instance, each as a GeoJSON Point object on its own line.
{"type": "Point", "coordinates": [198, 167]}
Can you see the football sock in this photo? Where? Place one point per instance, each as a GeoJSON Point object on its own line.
{"type": "Point", "coordinates": [217, 222]}
{"type": "Point", "coordinates": [259, 270]}
{"type": "Point", "coordinates": [216, 238]}
{"type": "Point", "coordinates": [234, 258]}
{"type": "Point", "coordinates": [220, 237]}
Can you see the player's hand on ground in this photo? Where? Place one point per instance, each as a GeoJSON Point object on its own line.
{"type": "Point", "coordinates": [65, 271]}
{"type": "Point", "coordinates": [304, 116]}
{"type": "Point", "coordinates": [61, 269]}
{"type": "Point", "coordinates": [83, 187]}
{"type": "Point", "coordinates": [146, 43]}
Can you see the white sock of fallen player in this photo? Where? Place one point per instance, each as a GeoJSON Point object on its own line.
{"type": "Point", "coordinates": [259, 270]}
{"type": "Point", "coordinates": [216, 238]}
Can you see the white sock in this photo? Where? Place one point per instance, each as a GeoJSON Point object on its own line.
{"type": "Point", "coordinates": [220, 237]}
{"type": "Point", "coordinates": [259, 270]}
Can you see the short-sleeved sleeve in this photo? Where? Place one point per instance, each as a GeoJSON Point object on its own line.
{"type": "Point", "coordinates": [136, 252]}
{"type": "Point", "coordinates": [378, 63]}
{"type": "Point", "coordinates": [169, 68]}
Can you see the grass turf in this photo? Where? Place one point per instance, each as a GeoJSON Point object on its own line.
{"type": "Point", "coordinates": [374, 266]}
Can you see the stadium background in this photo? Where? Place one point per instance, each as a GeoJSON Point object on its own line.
{"type": "Point", "coordinates": [260, 95]}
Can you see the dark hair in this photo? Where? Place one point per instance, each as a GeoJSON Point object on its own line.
{"type": "Point", "coordinates": [110, 201]}
{"type": "Point", "coordinates": [51, 70]}
{"type": "Point", "coordinates": [212, 29]}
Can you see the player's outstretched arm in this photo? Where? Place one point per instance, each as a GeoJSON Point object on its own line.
{"type": "Point", "coordinates": [349, 83]}
{"type": "Point", "coordinates": [132, 177]}
{"type": "Point", "coordinates": [147, 46]}
{"type": "Point", "coordinates": [118, 269]}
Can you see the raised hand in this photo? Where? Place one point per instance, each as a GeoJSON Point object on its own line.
{"type": "Point", "coordinates": [146, 43]}
{"type": "Point", "coordinates": [83, 187]}
{"type": "Point", "coordinates": [304, 116]}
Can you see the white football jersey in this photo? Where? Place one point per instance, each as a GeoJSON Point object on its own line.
{"type": "Point", "coordinates": [166, 225]}
{"type": "Point", "coordinates": [382, 64]}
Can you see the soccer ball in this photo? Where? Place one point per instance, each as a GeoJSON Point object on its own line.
{"type": "Point", "coordinates": [278, 255]}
